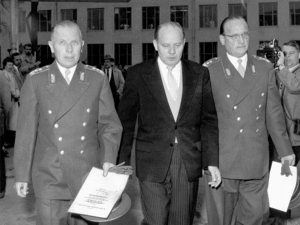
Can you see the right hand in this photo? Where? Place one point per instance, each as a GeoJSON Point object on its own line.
{"type": "Point", "coordinates": [21, 188]}
{"type": "Point", "coordinates": [280, 61]}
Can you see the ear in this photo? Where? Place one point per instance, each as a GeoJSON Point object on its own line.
{"type": "Point", "coordinates": [51, 46]}
{"type": "Point", "coordinates": [155, 44]}
{"type": "Point", "coordinates": [222, 39]}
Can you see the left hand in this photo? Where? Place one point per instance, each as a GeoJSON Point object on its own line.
{"type": "Point", "coordinates": [106, 167]}
{"type": "Point", "coordinates": [216, 176]}
{"type": "Point", "coordinates": [289, 158]}
{"type": "Point", "coordinates": [280, 60]}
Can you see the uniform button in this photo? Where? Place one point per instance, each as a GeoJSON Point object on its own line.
{"type": "Point", "coordinates": [228, 96]}
{"type": "Point", "coordinates": [241, 130]}
{"type": "Point", "coordinates": [49, 111]}
{"type": "Point", "coordinates": [262, 94]}
{"type": "Point", "coordinates": [259, 106]}
{"type": "Point", "coordinates": [239, 118]}
{"type": "Point", "coordinates": [255, 109]}
{"type": "Point", "coordinates": [81, 151]}
{"type": "Point", "coordinates": [257, 118]}
{"type": "Point", "coordinates": [84, 124]}
{"type": "Point", "coordinates": [62, 152]}
{"type": "Point", "coordinates": [171, 145]}
{"type": "Point", "coordinates": [60, 138]}
{"type": "Point", "coordinates": [88, 110]}
{"type": "Point", "coordinates": [56, 125]}
{"type": "Point", "coordinates": [257, 130]}
{"type": "Point", "coordinates": [82, 138]}
{"type": "Point", "coordinates": [235, 107]}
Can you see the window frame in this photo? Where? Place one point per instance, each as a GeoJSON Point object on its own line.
{"type": "Point", "coordinates": [128, 19]}
{"type": "Point", "coordinates": [90, 21]}
{"type": "Point", "coordinates": [212, 21]}
{"type": "Point", "coordinates": [180, 9]}
{"type": "Point", "coordinates": [274, 14]}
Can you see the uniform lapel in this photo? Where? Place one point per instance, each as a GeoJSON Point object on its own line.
{"type": "Point", "coordinates": [189, 81]}
{"type": "Point", "coordinates": [250, 80]}
{"type": "Point", "coordinates": [77, 87]}
{"type": "Point", "coordinates": [154, 81]}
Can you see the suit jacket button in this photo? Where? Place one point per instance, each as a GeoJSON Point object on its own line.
{"type": "Point", "coordinates": [171, 145]}
{"type": "Point", "coordinates": [175, 127]}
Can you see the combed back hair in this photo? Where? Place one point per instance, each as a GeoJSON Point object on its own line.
{"type": "Point", "coordinates": [292, 44]}
{"type": "Point", "coordinates": [170, 23]}
{"type": "Point", "coordinates": [7, 60]}
{"type": "Point", "coordinates": [65, 23]}
{"type": "Point", "coordinates": [233, 17]}
{"type": "Point", "coordinates": [27, 45]}
{"type": "Point", "coordinates": [14, 54]}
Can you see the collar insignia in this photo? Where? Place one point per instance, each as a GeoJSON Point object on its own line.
{"type": "Point", "coordinates": [253, 69]}
{"type": "Point", "coordinates": [228, 72]}
{"type": "Point", "coordinates": [81, 76]}
{"type": "Point", "coordinates": [52, 78]}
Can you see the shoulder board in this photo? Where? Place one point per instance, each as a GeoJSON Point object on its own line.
{"type": "Point", "coordinates": [39, 70]}
{"type": "Point", "coordinates": [211, 61]}
{"type": "Point", "coordinates": [94, 69]}
{"type": "Point", "coordinates": [261, 58]}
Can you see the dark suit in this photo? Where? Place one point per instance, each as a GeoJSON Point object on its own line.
{"type": "Point", "coordinates": [144, 97]}
{"type": "Point", "coordinates": [248, 110]}
{"type": "Point", "coordinates": [64, 130]}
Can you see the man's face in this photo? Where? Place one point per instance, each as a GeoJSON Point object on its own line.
{"type": "Point", "coordinates": [291, 57]}
{"type": "Point", "coordinates": [239, 47]}
{"type": "Point", "coordinates": [9, 66]}
{"type": "Point", "coordinates": [107, 63]}
{"type": "Point", "coordinates": [28, 50]}
{"type": "Point", "coordinates": [169, 45]}
{"type": "Point", "coordinates": [17, 60]}
{"type": "Point", "coordinates": [66, 44]}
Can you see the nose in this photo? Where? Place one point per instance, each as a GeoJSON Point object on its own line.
{"type": "Point", "coordinates": [69, 47]}
{"type": "Point", "coordinates": [172, 50]}
{"type": "Point", "coordinates": [241, 38]}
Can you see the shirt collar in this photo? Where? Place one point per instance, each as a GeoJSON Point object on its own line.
{"type": "Point", "coordinates": [63, 69]}
{"type": "Point", "coordinates": [234, 60]}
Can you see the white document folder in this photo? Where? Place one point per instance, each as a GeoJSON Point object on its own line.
{"type": "Point", "coordinates": [281, 187]}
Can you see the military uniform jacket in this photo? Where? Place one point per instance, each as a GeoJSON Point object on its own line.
{"type": "Point", "coordinates": [64, 130]}
{"type": "Point", "coordinates": [291, 99]}
{"type": "Point", "coordinates": [196, 126]}
{"type": "Point", "coordinates": [248, 108]}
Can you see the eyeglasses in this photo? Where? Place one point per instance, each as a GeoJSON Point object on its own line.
{"type": "Point", "coordinates": [235, 37]}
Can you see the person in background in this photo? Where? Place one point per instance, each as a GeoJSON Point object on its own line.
{"type": "Point", "coordinates": [248, 107]}
{"type": "Point", "coordinates": [288, 75]}
{"type": "Point", "coordinates": [5, 105]}
{"type": "Point", "coordinates": [67, 125]}
{"type": "Point", "coordinates": [28, 59]}
{"type": "Point", "coordinates": [12, 113]}
{"type": "Point", "coordinates": [16, 57]}
{"type": "Point", "coordinates": [115, 78]}
{"type": "Point", "coordinates": [177, 129]}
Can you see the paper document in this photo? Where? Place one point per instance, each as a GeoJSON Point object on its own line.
{"type": "Point", "coordinates": [281, 187]}
{"type": "Point", "coordinates": [99, 194]}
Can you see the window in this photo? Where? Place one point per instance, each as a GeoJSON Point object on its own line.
{"type": "Point", "coordinates": [44, 20]}
{"type": "Point", "coordinates": [185, 53]}
{"type": "Point", "coordinates": [122, 18]}
{"type": "Point", "coordinates": [123, 54]}
{"type": "Point", "coordinates": [69, 14]}
{"type": "Point", "coordinates": [238, 10]}
{"type": "Point", "coordinates": [150, 17]}
{"type": "Point", "coordinates": [95, 54]}
{"type": "Point", "coordinates": [268, 14]}
{"type": "Point", "coordinates": [149, 51]}
{"type": "Point", "coordinates": [207, 50]}
{"type": "Point", "coordinates": [22, 21]}
{"type": "Point", "coordinates": [44, 55]}
{"type": "Point", "coordinates": [208, 16]}
{"type": "Point", "coordinates": [96, 19]}
{"type": "Point", "coordinates": [179, 14]}
{"type": "Point", "coordinates": [295, 13]}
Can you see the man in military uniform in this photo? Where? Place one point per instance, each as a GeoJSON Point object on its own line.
{"type": "Point", "coordinates": [248, 108]}
{"type": "Point", "coordinates": [67, 124]}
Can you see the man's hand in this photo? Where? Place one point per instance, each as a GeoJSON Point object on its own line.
{"type": "Point", "coordinates": [289, 158]}
{"type": "Point", "coordinates": [280, 61]}
{"type": "Point", "coordinates": [216, 176]}
{"type": "Point", "coordinates": [106, 167]}
{"type": "Point", "coordinates": [21, 188]}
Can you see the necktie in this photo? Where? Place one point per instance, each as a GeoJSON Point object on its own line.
{"type": "Point", "coordinates": [67, 73]}
{"type": "Point", "coordinates": [241, 69]}
{"type": "Point", "coordinates": [173, 86]}
{"type": "Point", "coordinates": [107, 73]}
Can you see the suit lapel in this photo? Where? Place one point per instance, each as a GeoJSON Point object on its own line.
{"type": "Point", "coordinates": [189, 81]}
{"type": "Point", "coordinates": [154, 81]}
{"type": "Point", "coordinates": [231, 75]}
{"type": "Point", "coordinates": [250, 80]}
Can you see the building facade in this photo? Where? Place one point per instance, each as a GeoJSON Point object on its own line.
{"type": "Point", "coordinates": [125, 30]}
